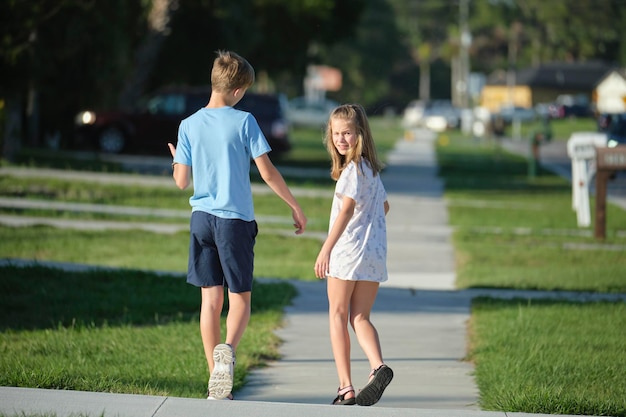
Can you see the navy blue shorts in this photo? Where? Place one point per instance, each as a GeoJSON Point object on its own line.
{"type": "Point", "coordinates": [221, 252]}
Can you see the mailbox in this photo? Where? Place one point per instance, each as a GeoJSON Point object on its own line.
{"type": "Point", "coordinates": [581, 148]}
{"type": "Point", "coordinates": [608, 160]}
{"type": "Point", "coordinates": [612, 159]}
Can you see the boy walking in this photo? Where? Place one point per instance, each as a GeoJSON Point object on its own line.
{"type": "Point", "coordinates": [215, 146]}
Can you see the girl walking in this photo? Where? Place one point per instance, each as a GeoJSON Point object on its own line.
{"type": "Point", "coordinates": [353, 258]}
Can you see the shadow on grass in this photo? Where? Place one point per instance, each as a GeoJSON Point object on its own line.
{"type": "Point", "coordinates": [44, 298]}
{"type": "Point", "coordinates": [68, 160]}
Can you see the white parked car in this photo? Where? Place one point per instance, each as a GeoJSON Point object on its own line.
{"type": "Point", "coordinates": [413, 114]}
{"type": "Point", "coordinates": [312, 113]}
{"type": "Point", "coordinates": [436, 115]}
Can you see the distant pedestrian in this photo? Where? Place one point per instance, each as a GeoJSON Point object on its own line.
{"type": "Point", "coordinates": [354, 256]}
{"type": "Point", "coordinates": [216, 145]}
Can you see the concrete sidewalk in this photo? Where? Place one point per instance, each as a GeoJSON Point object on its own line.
{"type": "Point", "coordinates": [421, 319]}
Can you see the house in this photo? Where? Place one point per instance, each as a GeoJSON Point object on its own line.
{"type": "Point", "coordinates": [609, 95]}
{"type": "Point", "coordinates": [531, 86]}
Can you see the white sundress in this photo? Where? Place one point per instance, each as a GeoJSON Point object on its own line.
{"type": "Point", "coordinates": [360, 254]}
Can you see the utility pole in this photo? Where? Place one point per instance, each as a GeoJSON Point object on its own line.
{"type": "Point", "coordinates": [462, 84]}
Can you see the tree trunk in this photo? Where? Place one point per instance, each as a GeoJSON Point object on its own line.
{"type": "Point", "coordinates": [146, 55]}
{"type": "Point", "coordinates": [13, 127]}
{"type": "Point", "coordinates": [424, 56]}
{"type": "Point", "coordinates": [425, 80]}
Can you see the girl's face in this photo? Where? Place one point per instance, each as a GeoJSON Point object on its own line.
{"type": "Point", "coordinates": [344, 135]}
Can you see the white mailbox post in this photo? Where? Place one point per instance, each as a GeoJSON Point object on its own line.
{"type": "Point", "coordinates": [581, 148]}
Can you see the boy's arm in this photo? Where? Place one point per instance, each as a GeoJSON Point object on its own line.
{"type": "Point", "coordinates": [276, 182]}
{"type": "Point", "coordinates": [181, 172]}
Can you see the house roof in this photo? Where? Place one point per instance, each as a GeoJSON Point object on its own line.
{"type": "Point", "coordinates": [619, 71]}
{"type": "Point", "coordinates": [560, 75]}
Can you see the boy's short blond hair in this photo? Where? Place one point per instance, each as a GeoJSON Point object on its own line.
{"type": "Point", "coordinates": [231, 71]}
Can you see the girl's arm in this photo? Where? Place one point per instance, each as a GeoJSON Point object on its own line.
{"type": "Point", "coordinates": [386, 205]}
{"type": "Point", "coordinates": [276, 182]}
{"type": "Point", "coordinates": [343, 217]}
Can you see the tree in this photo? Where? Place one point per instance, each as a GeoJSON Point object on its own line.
{"type": "Point", "coordinates": [158, 19]}
{"type": "Point", "coordinates": [18, 32]}
{"type": "Point", "coordinates": [549, 31]}
{"type": "Point", "coordinates": [426, 27]}
{"type": "Point", "coordinates": [278, 37]}
{"type": "Point", "coordinates": [58, 56]}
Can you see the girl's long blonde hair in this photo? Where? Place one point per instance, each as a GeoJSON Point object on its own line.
{"type": "Point", "coordinates": [364, 149]}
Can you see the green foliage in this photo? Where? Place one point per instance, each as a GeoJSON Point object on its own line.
{"type": "Point", "coordinates": [546, 31]}
{"type": "Point", "coordinates": [81, 54]}
{"type": "Point", "coordinates": [367, 59]}
{"type": "Point", "coordinates": [69, 53]}
{"type": "Point", "coordinates": [275, 36]}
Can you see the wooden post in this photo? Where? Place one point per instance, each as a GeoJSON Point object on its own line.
{"type": "Point", "coordinates": [608, 160]}
{"type": "Point", "coordinates": [602, 178]}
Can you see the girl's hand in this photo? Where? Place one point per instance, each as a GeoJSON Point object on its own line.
{"type": "Point", "coordinates": [321, 264]}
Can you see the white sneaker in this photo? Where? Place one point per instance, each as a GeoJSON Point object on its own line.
{"type": "Point", "coordinates": [229, 397]}
{"type": "Point", "coordinates": [221, 380]}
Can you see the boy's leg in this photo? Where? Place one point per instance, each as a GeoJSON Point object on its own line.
{"type": "Point", "coordinates": [339, 294]}
{"type": "Point", "coordinates": [210, 312]}
{"type": "Point", "coordinates": [235, 241]}
{"type": "Point", "coordinates": [239, 307]}
{"type": "Point", "coordinates": [221, 381]}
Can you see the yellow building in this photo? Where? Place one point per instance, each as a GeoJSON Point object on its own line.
{"type": "Point", "coordinates": [542, 84]}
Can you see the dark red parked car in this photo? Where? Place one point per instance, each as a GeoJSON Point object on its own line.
{"type": "Point", "coordinates": [153, 125]}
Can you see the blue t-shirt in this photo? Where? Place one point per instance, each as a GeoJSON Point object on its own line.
{"type": "Point", "coordinates": [218, 144]}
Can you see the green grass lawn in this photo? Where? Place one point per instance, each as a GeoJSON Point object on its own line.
{"type": "Point", "coordinates": [276, 256]}
{"type": "Point", "coordinates": [561, 128]}
{"type": "Point", "coordinates": [122, 331]}
{"type": "Point", "coordinates": [316, 209]}
{"type": "Point", "coordinates": [513, 232]}
{"type": "Point", "coordinates": [550, 357]}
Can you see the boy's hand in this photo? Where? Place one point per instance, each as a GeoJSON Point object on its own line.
{"type": "Point", "coordinates": [172, 149]}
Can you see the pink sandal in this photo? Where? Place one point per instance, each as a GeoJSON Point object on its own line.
{"type": "Point", "coordinates": [341, 396]}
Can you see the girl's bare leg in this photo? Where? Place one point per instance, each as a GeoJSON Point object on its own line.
{"type": "Point", "coordinates": [339, 294]}
{"type": "Point", "coordinates": [361, 303]}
